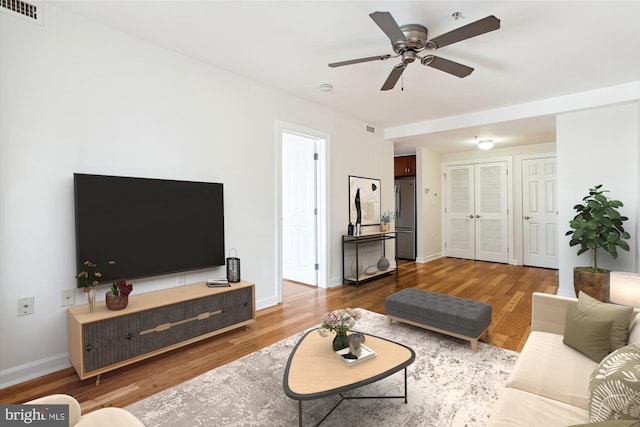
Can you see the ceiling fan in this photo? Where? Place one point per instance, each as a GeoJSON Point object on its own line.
{"type": "Point", "coordinates": [408, 40]}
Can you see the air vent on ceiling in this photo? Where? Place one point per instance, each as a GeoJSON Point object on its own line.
{"type": "Point", "coordinates": [371, 129]}
{"type": "Point", "coordinates": [29, 11]}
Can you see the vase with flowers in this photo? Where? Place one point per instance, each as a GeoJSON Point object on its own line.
{"type": "Point", "coordinates": [339, 321]}
{"type": "Point", "coordinates": [118, 297]}
{"type": "Point", "coordinates": [89, 277]}
{"type": "Point", "coordinates": [385, 221]}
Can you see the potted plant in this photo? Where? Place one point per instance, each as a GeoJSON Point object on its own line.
{"type": "Point", "coordinates": [598, 224]}
{"type": "Point", "coordinates": [118, 297]}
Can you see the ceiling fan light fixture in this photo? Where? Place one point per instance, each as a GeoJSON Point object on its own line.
{"type": "Point", "coordinates": [485, 144]}
{"type": "Point", "coordinates": [408, 57]}
{"type": "Point", "coordinates": [427, 59]}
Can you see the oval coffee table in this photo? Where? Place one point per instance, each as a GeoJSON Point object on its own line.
{"type": "Point", "coordinates": [314, 371]}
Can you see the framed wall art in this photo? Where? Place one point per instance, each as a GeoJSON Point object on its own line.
{"type": "Point", "coordinates": [364, 200]}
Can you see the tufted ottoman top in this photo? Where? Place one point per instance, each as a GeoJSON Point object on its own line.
{"type": "Point", "coordinates": [454, 314]}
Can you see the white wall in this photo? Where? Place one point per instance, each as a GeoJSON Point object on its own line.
{"type": "Point", "coordinates": [80, 97]}
{"type": "Point", "coordinates": [429, 202]}
{"type": "Point", "coordinates": [597, 146]}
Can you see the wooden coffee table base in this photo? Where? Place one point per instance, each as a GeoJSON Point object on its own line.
{"type": "Point", "coordinates": [313, 371]}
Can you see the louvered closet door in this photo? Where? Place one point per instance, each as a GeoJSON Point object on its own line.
{"type": "Point", "coordinates": [459, 214]}
{"type": "Point", "coordinates": [491, 212]}
{"type": "Point", "coordinates": [476, 219]}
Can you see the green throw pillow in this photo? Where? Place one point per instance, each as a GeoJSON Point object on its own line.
{"type": "Point", "coordinates": [614, 386]}
{"type": "Point", "coordinates": [587, 334]}
{"type": "Point", "coordinates": [619, 314]}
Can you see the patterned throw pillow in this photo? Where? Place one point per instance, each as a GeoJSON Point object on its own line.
{"type": "Point", "coordinates": [614, 386]}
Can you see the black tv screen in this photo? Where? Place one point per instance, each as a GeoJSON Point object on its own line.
{"type": "Point", "coordinates": [148, 227]}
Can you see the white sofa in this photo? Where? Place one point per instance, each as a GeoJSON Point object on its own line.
{"type": "Point", "coordinates": [549, 384]}
{"type": "Point", "coordinates": [104, 417]}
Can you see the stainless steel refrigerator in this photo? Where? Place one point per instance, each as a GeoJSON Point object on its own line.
{"type": "Point", "coordinates": [405, 189]}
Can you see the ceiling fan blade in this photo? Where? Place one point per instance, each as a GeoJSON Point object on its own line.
{"type": "Point", "coordinates": [394, 76]}
{"type": "Point", "coordinates": [385, 21]}
{"type": "Point", "coordinates": [357, 61]}
{"type": "Point", "coordinates": [447, 66]}
{"type": "Point", "coordinates": [476, 28]}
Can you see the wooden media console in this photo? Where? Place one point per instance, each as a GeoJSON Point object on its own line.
{"type": "Point", "coordinates": [154, 323]}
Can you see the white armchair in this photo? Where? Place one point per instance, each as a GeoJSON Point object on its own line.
{"type": "Point", "coordinates": [99, 418]}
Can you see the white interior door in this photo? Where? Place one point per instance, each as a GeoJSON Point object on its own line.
{"type": "Point", "coordinates": [539, 213]}
{"type": "Point", "coordinates": [299, 219]}
{"type": "Point", "coordinates": [476, 212]}
{"type": "Point", "coordinates": [491, 212]}
{"type": "Point", "coordinates": [460, 212]}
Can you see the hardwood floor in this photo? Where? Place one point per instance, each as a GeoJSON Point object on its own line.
{"type": "Point", "coordinates": [507, 288]}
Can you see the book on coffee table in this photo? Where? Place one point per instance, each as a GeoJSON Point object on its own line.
{"type": "Point", "coordinates": [365, 354]}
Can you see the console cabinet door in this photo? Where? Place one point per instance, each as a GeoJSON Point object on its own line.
{"type": "Point", "coordinates": [223, 310]}
{"type": "Point", "coordinates": [158, 327]}
{"type": "Point", "coordinates": [110, 341]}
{"type": "Point", "coordinates": [239, 306]}
{"type": "Point", "coordinates": [214, 306]}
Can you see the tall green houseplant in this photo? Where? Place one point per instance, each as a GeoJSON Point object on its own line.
{"type": "Point", "coordinates": [598, 224]}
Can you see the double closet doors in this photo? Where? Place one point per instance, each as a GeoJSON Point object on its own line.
{"type": "Point", "coordinates": [476, 212]}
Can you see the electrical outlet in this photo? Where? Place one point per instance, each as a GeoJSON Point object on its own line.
{"type": "Point", "coordinates": [68, 297]}
{"type": "Point", "coordinates": [25, 306]}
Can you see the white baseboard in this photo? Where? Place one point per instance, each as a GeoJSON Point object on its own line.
{"type": "Point", "coordinates": [429, 258]}
{"type": "Point", "coordinates": [35, 369]}
{"type": "Point", "coordinates": [266, 303]}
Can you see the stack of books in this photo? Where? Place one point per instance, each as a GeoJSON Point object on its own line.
{"type": "Point", "coordinates": [218, 283]}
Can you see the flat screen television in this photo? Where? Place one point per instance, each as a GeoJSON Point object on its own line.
{"type": "Point", "coordinates": [149, 227]}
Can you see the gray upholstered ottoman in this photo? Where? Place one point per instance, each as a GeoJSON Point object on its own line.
{"type": "Point", "coordinates": [458, 317]}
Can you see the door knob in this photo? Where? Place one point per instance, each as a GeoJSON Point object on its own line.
{"type": "Point", "coordinates": [471, 216]}
{"type": "Point", "coordinates": [478, 216]}
{"type": "Point", "coordinates": [528, 217]}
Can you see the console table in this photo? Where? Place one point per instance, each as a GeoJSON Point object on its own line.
{"type": "Point", "coordinates": [367, 239]}
{"type": "Point", "coordinates": [156, 322]}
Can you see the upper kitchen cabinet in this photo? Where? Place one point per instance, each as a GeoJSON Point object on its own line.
{"type": "Point", "coordinates": [404, 166]}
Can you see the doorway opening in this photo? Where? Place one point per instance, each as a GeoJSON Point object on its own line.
{"type": "Point", "coordinates": [303, 206]}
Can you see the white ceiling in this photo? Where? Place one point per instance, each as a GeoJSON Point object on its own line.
{"type": "Point", "coordinates": [543, 49]}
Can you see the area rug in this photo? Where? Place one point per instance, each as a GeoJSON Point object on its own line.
{"type": "Point", "coordinates": [448, 385]}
